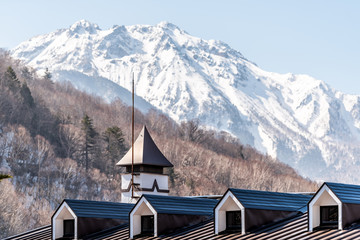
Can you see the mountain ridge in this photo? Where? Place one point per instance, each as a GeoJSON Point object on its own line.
{"type": "Point", "coordinates": [296, 118]}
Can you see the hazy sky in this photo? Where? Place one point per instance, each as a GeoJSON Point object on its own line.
{"type": "Point", "coordinates": [316, 37]}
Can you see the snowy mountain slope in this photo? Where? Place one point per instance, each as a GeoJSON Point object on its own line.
{"type": "Point", "coordinates": [296, 118]}
{"type": "Point", "coordinates": [101, 87]}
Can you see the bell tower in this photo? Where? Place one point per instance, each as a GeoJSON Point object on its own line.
{"type": "Point", "coordinates": [148, 170]}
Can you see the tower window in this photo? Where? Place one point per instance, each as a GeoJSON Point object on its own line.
{"type": "Point", "coordinates": [147, 224]}
{"type": "Point", "coordinates": [233, 220]}
{"type": "Point", "coordinates": [328, 215]}
{"type": "Point", "coordinates": [69, 228]}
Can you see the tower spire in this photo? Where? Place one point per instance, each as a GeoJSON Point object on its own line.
{"type": "Point", "coordinates": [144, 169]}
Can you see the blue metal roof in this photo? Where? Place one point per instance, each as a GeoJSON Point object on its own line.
{"type": "Point", "coordinates": [98, 209]}
{"type": "Point", "coordinates": [271, 200]}
{"type": "Point", "coordinates": [181, 205]}
{"type": "Point", "coordinates": [347, 193]}
{"type": "Point", "coordinates": [292, 229]}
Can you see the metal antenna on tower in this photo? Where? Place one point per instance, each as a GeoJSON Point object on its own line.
{"type": "Point", "coordinates": [132, 140]}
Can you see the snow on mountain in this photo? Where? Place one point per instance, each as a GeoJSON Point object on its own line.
{"type": "Point", "coordinates": [297, 118]}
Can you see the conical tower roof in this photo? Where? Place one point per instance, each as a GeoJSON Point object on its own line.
{"type": "Point", "coordinates": [145, 152]}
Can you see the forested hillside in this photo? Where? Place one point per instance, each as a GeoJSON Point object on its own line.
{"type": "Point", "coordinates": [58, 142]}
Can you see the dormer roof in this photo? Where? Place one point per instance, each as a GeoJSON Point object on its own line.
{"type": "Point", "coordinates": [181, 205]}
{"type": "Point", "coordinates": [145, 152]}
{"type": "Point", "coordinates": [346, 193]}
{"type": "Point", "coordinates": [99, 209]}
{"type": "Point", "coordinates": [271, 200]}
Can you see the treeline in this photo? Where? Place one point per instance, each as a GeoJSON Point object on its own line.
{"type": "Point", "coordinates": [58, 142]}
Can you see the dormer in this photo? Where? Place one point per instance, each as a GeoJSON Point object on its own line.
{"type": "Point", "coordinates": [334, 205]}
{"type": "Point", "coordinates": [75, 219]}
{"type": "Point", "coordinates": [154, 215]}
{"type": "Point", "coordinates": [149, 164]}
{"type": "Point", "coordinates": [241, 210]}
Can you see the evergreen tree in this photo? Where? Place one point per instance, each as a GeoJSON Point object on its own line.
{"type": "Point", "coordinates": [25, 73]}
{"type": "Point", "coordinates": [16, 87]}
{"type": "Point", "coordinates": [11, 74]}
{"type": "Point", "coordinates": [172, 176]}
{"type": "Point", "coordinates": [115, 146]}
{"type": "Point", "coordinates": [26, 94]}
{"type": "Point", "coordinates": [47, 75]}
{"type": "Point", "coordinates": [89, 145]}
{"type": "Point", "coordinates": [4, 176]}
{"type": "Point", "coordinates": [11, 79]}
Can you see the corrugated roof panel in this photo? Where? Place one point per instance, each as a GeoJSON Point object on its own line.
{"type": "Point", "coordinates": [118, 232]}
{"type": "Point", "coordinates": [181, 205]}
{"type": "Point", "coordinates": [291, 229]}
{"type": "Point", "coordinates": [203, 228]}
{"type": "Point", "coordinates": [271, 200]}
{"type": "Point", "coordinates": [347, 193]}
{"type": "Point", "coordinates": [98, 209]}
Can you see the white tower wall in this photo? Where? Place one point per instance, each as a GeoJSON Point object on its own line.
{"type": "Point", "coordinates": [145, 183]}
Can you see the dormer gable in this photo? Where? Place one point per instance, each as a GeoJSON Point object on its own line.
{"type": "Point", "coordinates": [229, 204]}
{"type": "Point", "coordinates": [243, 210]}
{"type": "Point", "coordinates": [73, 218]}
{"type": "Point", "coordinates": [63, 222]}
{"type": "Point", "coordinates": [154, 215]}
{"type": "Point", "coordinates": [335, 205]}
{"type": "Point", "coordinates": [143, 214]}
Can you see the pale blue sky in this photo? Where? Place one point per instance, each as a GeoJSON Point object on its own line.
{"type": "Point", "coordinates": [316, 37]}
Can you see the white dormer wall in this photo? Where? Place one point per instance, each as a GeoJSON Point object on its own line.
{"type": "Point", "coordinates": [142, 208]}
{"type": "Point", "coordinates": [145, 180]}
{"type": "Point", "coordinates": [228, 203]}
{"type": "Point", "coordinates": [325, 197]}
{"type": "Point", "coordinates": [63, 213]}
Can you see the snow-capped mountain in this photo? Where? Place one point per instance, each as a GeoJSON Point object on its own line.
{"type": "Point", "coordinates": [296, 118]}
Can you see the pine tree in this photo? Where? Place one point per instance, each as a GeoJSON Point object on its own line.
{"type": "Point", "coordinates": [4, 176]}
{"type": "Point", "coordinates": [115, 146]}
{"type": "Point", "coordinates": [172, 176]}
{"type": "Point", "coordinates": [89, 145]}
{"type": "Point", "coordinates": [47, 75]}
{"type": "Point", "coordinates": [12, 80]}
{"type": "Point", "coordinates": [26, 94]}
{"type": "Point", "coordinates": [25, 73]}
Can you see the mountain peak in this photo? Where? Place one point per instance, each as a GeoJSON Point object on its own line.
{"type": "Point", "coordinates": [167, 25]}
{"type": "Point", "coordinates": [84, 26]}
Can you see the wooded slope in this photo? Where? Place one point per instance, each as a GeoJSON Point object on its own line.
{"type": "Point", "coordinates": [58, 142]}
